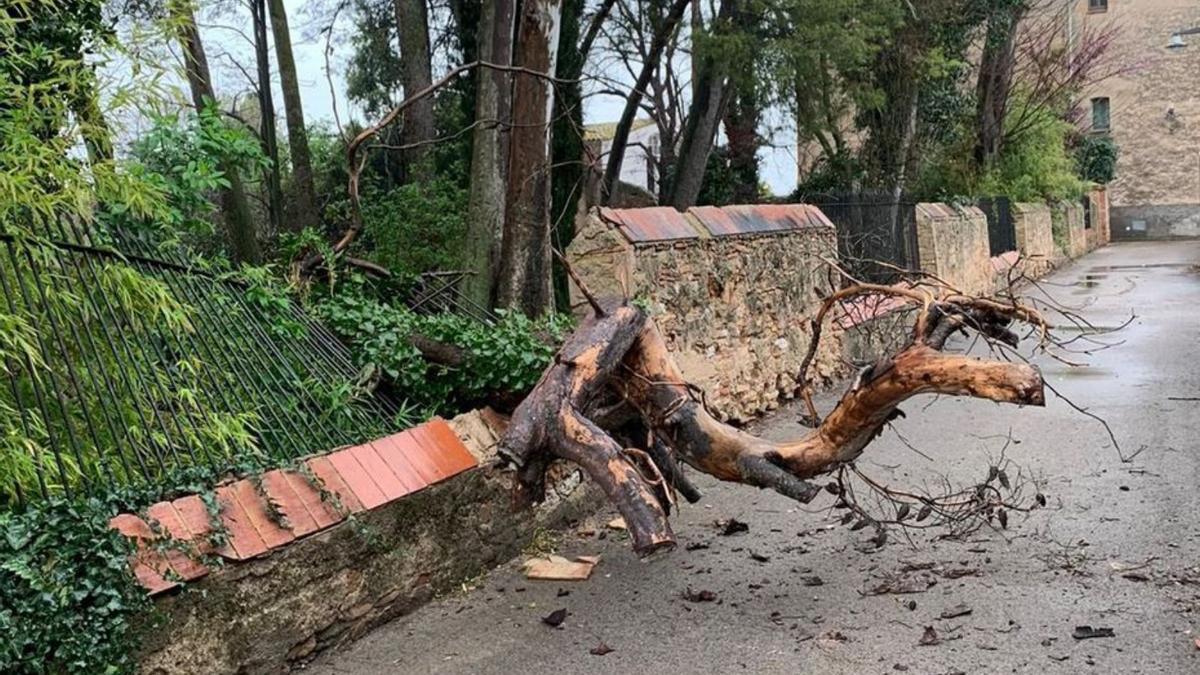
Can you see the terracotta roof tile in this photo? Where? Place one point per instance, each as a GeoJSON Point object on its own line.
{"type": "Point", "coordinates": [446, 447]}
{"type": "Point", "coordinates": [390, 485]}
{"type": "Point", "coordinates": [193, 515]}
{"type": "Point", "coordinates": [403, 454]}
{"type": "Point", "coordinates": [357, 479]}
{"type": "Point", "coordinates": [658, 223]}
{"type": "Point", "coordinates": [172, 525]}
{"type": "Point", "coordinates": [299, 521]}
{"type": "Point", "coordinates": [149, 567]}
{"type": "Point", "coordinates": [324, 470]}
{"type": "Point", "coordinates": [758, 218]}
{"type": "Point", "coordinates": [244, 541]}
{"type": "Point", "coordinates": [323, 512]}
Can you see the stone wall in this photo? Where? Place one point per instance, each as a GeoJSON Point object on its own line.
{"type": "Point", "coordinates": [953, 245]}
{"type": "Point", "coordinates": [273, 612]}
{"type": "Point", "coordinates": [1035, 236]}
{"type": "Point", "coordinates": [1100, 232]}
{"type": "Point", "coordinates": [1173, 221]}
{"type": "Point", "coordinates": [732, 290]}
{"type": "Point", "coordinates": [1069, 233]}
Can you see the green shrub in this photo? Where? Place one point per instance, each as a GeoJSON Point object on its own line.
{"type": "Point", "coordinates": [67, 599]}
{"type": "Point", "coordinates": [418, 227]}
{"type": "Point", "coordinates": [507, 357]}
{"type": "Point", "coordinates": [1096, 159]}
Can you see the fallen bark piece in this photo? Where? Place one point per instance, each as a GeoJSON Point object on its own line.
{"type": "Point", "coordinates": [929, 638]}
{"type": "Point", "coordinates": [956, 611]}
{"type": "Point", "coordinates": [699, 596]}
{"type": "Point", "coordinates": [556, 568]}
{"type": "Point", "coordinates": [1087, 632]}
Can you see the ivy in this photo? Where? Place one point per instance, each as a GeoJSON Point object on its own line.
{"type": "Point", "coordinates": [506, 357]}
{"type": "Point", "coordinates": [68, 602]}
{"type": "Point", "coordinates": [1096, 159]}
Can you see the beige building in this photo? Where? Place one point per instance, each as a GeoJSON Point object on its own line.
{"type": "Point", "coordinates": [1151, 109]}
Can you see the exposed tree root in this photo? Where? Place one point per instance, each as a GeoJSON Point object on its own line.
{"type": "Point", "coordinates": [615, 403]}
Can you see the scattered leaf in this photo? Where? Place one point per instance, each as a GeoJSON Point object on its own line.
{"type": "Point", "coordinates": [600, 649]}
{"type": "Point", "coordinates": [554, 619]}
{"type": "Point", "coordinates": [759, 557]}
{"type": "Point", "coordinates": [732, 526]}
{"type": "Point", "coordinates": [929, 637]}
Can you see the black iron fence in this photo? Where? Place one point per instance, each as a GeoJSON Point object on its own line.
{"type": "Point", "coordinates": [877, 234]}
{"type": "Point", "coordinates": [1002, 232]}
{"type": "Point", "coordinates": [125, 365]}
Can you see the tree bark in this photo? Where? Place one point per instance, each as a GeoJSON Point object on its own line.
{"type": "Point", "coordinates": [995, 84]}
{"type": "Point", "coordinates": [616, 155]}
{"type": "Point", "coordinates": [302, 203]}
{"type": "Point", "coordinates": [412, 22]}
{"type": "Point", "coordinates": [524, 283]}
{"type": "Point", "coordinates": [741, 134]}
{"type": "Point", "coordinates": [266, 112]}
{"type": "Point", "coordinates": [709, 98]}
{"type": "Point", "coordinates": [239, 222]}
{"type": "Point", "coordinates": [619, 350]}
{"type": "Point", "coordinates": [489, 153]}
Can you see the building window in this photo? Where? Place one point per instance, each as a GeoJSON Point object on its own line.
{"type": "Point", "coordinates": [1097, 5]}
{"type": "Point", "coordinates": [1100, 114]}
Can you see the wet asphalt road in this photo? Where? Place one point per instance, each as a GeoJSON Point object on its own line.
{"type": "Point", "coordinates": [1117, 547]}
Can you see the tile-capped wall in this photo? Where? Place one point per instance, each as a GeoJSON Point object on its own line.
{"type": "Point", "coordinates": [733, 298]}
{"type": "Point", "coordinates": [264, 513]}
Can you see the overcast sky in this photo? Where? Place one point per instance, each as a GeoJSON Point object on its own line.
{"type": "Point", "coordinates": [778, 164]}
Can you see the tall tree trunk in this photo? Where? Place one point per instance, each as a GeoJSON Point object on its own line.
{"type": "Point", "coordinates": [302, 202]}
{"type": "Point", "coordinates": [239, 222]}
{"type": "Point", "coordinates": [893, 128]}
{"type": "Point", "coordinates": [524, 282]}
{"type": "Point", "coordinates": [996, 67]}
{"type": "Point", "coordinates": [489, 152]}
{"type": "Point", "coordinates": [709, 98]}
{"type": "Point", "coordinates": [616, 156]}
{"type": "Point", "coordinates": [567, 147]}
{"type": "Point", "coordinates": [741, 131]}
{"type": "Point", "coordinates": [741, 118]}
{"type": "Point", "coordinates": [412, 21]}
{"type": "Point", "coordinates": [266, 112]}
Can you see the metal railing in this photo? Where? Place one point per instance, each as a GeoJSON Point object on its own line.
{"type": "Point", "coordinates": [128, 366]}
{"type": "Point", "coordinates": [876, 232]}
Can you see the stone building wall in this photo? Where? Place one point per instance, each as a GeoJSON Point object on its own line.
{"type": "Point", "coordinates": [732, 289]}
{"type": "Point", "coordinates": [953, 245]}
{"type": "Point", "coordinates": [1155, 113]}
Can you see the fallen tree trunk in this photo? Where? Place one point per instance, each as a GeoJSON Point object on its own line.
{"type": "Point", "coordinates": [615, 403]}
